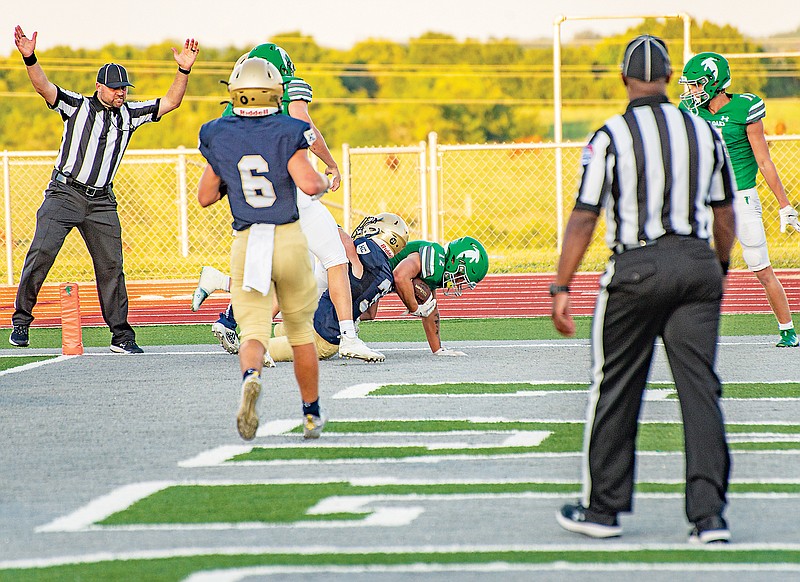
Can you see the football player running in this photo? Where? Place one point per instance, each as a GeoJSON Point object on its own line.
{"type": "Point", "coordinates": [316, 221]}
{"type": "Point", "coordinates": [738, 117]}
{"type": "Point", "coordinates": [257, 157]}
{"type": "Point", "coordinates": [462, 263]}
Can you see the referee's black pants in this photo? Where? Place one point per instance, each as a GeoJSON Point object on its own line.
{"type": "Point", "coordinates": [672, 289]}
{"type": "Point", "coordinates": [98, 223]}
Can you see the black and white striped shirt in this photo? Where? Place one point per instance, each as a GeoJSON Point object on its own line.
{"type": "Point", "coordinates": [95, 136]}
{"type": "Point", "coordinates": [657, 170]}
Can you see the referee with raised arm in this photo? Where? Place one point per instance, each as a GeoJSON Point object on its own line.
{"type": "Point", "coordinates": [665, 181]}
{"type": "Point", "coordinates": [80, 194]}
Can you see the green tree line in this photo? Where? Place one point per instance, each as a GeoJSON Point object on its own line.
{"type": "Point", "coordinates": [385, 93]}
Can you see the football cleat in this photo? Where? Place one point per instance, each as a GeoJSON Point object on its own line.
{"type": "Point", "coordinates": [788, 339]}
{"type": "Point", "coordinates": [247, 419]}
{"type": "Point", "coordinates": [312, 426]}
{"type": "Point", "coordinates": [355, 348]}
{"type": "Point", "coordinates": [228, 338]}
{"type": "Point", "coordinates": [268, 361]}
{"type": "Point", "coordinates": [210, 280]}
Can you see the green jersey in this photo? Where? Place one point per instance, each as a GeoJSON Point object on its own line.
{"type": "Point", "coordinates": [732, 121]}
{"type": "Point", "coordinates": [432, 257]}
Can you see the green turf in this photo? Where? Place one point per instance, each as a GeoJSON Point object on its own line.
{"type": "Point", "coordinates": [564, 437]}
{"type": "Point", "coordinates": [14, 361]}
{"type": "Point", "coordinates": [531, 328]}
{"type": "Point", "coordinates": [288, 503]}
{"type": "Point", "coordinates": [179, 568]}
{"type": "Point", "coordinates": [732, 390]}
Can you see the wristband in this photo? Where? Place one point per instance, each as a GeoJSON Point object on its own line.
{"type": "Point", "coordinates": [30, 61]}
{"type": "Point", "coordinates": [556, 289]}
{"type": "Point", "coordinates": [184, 71]}
{"type": "Point", "coordinates": [724, 265]}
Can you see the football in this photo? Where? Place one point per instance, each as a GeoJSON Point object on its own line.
{"type": "Point", "coordinates": [421, 290]}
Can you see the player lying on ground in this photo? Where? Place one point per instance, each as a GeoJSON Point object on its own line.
{"type": "Point", "coordinates": [462, 263]}
{"type": "Point", "coordinates": [370, 277]}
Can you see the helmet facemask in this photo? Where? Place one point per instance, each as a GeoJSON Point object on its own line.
{"type": "Point", "coordinates": [454, 282]}
{"type": "Point", "coordinates": [695, 95]}
{"type": "Point", "coordinates": [466, 264]}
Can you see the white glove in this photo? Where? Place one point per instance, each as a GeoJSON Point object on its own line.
{"type": "Point", "coordinates": [424, 309]}
{"type": "Point", "coordinates": [789, 217]}
{"type": "Point", "coordinates": [443, 351]}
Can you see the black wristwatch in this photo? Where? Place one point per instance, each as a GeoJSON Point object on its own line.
{"type": "Point", "coordinates": [556, 289]}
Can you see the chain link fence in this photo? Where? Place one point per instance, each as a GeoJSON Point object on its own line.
{"type": "Point", "coordinates": [505, 195]}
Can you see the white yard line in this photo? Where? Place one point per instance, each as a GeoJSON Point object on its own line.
{"type": "Point", "coordinates": [238, 574]}
{"type": "Point", "coordinates": [102, 507]}
{"type": "Point", "coordinates": [33, 365]}
{"type": "Point", "coordinates": [402, 550]}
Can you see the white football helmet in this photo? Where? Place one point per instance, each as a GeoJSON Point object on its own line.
{"type": "Point", "coordinates": [256, 88]}
{"type": "Point", "coordinates": [388, 230]}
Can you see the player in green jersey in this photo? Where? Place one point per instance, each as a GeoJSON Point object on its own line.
{"type": "Point", "coordinates": [738, 117]}
{"type": "Point", "coordinates": [460, 264]}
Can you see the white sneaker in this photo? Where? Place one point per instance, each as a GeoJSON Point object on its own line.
{"type": "Point", "coordinates": [355, 348]}
{"type": "Point", "coordinates": [228, 338]}
{"type": "Point", "coordinates": [210, 280]}
{"type": "Point", "coordinates": [268, 361]}
{"type": "Point", "coordinates": [247, 418]}
{"type": "Point", "coordinates": [312, 426]}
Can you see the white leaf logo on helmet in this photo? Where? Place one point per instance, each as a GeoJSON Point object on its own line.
{"type": "Point", "coordinates": [710, 64]}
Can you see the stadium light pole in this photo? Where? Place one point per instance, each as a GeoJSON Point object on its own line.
{"type": "Point", "coordinates": [558, 131]}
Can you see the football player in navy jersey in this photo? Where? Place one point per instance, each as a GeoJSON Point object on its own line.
{"type": "Point", "coordinates": [258, 158]}
{"type": "Point", "coordinates": [370, 279]}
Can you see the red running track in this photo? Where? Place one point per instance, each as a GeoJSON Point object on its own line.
{"type": "Point", "coordinates": [516, 295]}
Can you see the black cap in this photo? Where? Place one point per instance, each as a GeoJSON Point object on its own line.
{"type": "Point", "coordinates": [646, 59]}
{"type": "Point", "coordinates": [113, 76]}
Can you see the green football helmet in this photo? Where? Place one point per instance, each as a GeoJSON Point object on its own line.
{"type": "Point", "coordinates": [705, 76]}
{"type": "Point", "coordinates": [275, 55]}
{"type": "Point", "coordinates": [388, 230]}
{"type": "Point", "coordinates": [466, 264]}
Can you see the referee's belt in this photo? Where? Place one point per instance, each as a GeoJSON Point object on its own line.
{"type": "Point", "coordinates": [620, 248]}
{"type": "Point", "coordinates": [88, 191]}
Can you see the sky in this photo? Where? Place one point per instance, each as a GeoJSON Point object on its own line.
{"type": "Point", "coordinates": [341, 23]}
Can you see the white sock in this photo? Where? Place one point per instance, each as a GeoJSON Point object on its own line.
{"type": "Point", "coordinates": [348, 329]}
{"type": "Point", "coordinates": [785, 326]}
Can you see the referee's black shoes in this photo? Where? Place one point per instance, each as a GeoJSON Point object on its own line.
{"type": "Point", "coordinates": [19, 336]}
{"type": "Point", "coordinates": [572, 517]}
{"type": "Point", "coordinates": [127, 347]}
{"type": "Point", "coordinates": [710, 530]}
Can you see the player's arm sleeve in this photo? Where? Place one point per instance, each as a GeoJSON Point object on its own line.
{"type": "Point", "coordinates": [298, 90]}
{"type": "Point", "coordinates": [597, 160]}
{"type": "Point", "coordinates": [758, 110]}
{"type": "Point", "coordinates": [427, 258]}
{"type": "Point", "coordinates": [304, 136]}
{"type": "Point", "coordinates": [207, 151]}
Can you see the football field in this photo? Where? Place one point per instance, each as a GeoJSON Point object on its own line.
{"type": "Point", "coordinates": [130, 468]}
